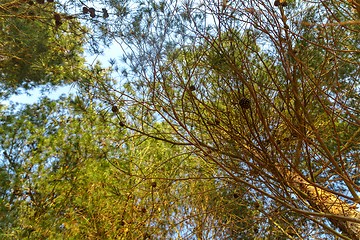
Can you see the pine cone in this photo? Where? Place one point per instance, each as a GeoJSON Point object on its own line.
{"type": "Point", "coordinates": [114, 109]}
{"type": "Point", "coordinates": [85, 10]}
{"type": "Point", "coordinates": [105, 13]}
{"type": "Point", "coordinates": [92, 12]}
{"type": "Point", "coordinates": [280, 3]}
{"type": "Point", "coordinates": [245, 103]}
{"type": "Point", "coordinates": [192, 88]}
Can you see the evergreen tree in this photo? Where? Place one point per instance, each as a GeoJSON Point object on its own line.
{"type": "Point", "coordinates": [232, 120]}
{"type": "Point", "coordinates": [39, 46]}
{"type": "Point", "coordinates": [265, 92]}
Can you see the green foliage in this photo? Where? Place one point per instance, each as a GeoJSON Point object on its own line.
{"type": "Point", "coordinates": [291, 70]}
{"type": "Point", "coordinates": [34, 50]}
{"type": "Point", "coordinates": [211, 133]}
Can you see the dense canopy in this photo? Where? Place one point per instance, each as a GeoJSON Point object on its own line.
{"type": "Point", "coordinates": [210, 120]}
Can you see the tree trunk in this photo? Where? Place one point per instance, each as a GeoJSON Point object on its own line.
{"type": "Point", "coordinates": [327, 202]}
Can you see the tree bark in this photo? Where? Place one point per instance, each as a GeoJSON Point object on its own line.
{"type": "Point", "coordinates": [326, 202]}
